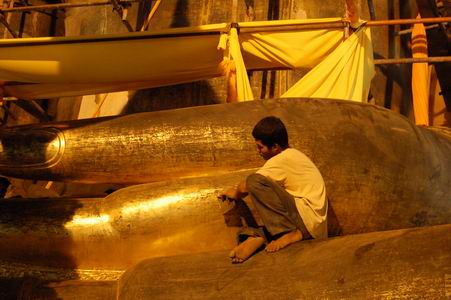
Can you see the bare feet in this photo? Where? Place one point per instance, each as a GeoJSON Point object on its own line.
{"type": "Point", "coordinates": [244, 250]}
{"type": "Point", "coordinates": [285, 240]}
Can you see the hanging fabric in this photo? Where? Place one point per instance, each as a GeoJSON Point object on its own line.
{"type": "Point", "coordinates": [345, 74]}
{"type": "Point", "coordinates": [37, 68]}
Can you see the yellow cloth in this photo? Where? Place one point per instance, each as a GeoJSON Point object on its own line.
{"type": "Point", "coordinates": [51, 67]}
{"type": "Point", "coordinates": [244, 90]}
{"type": "Point", "coordinates": [113, 58]}
{"type": "Point", "coordinates": [420, 76]}
{"type": "Point", "coordinates": [345, 74]}
{"type": "Point", "coordinates": [277, 44]}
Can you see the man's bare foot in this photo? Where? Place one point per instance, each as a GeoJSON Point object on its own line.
{"type": "Point", "coordinates": [285, 240]}
{"type": "Point", "coordinates": [244, 250]}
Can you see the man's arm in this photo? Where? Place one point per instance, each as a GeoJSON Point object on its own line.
{"type": "Point", "coordinates": [235, 193]}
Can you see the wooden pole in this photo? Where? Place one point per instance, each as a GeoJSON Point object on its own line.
{"type": "Point", "coordinates": [341, 24]}
{"type": "Point", "coordinates": [62, 6]}
{"type": "Point", "coordinates": [151, 14]}
{"type": "Point", "coordinates": [372, 10]}
{"type": "Point", "coordinates": [234, 11]}
{"type": "Point", "coordinates": [431, 60]}
{"type": "Point", "coordinates": [385, 61]}
{"type": "Point", "coordinates": [4, 19]}
{"type": "Point", "coordinates": [352, 11]}
{"type": "Point", "coordinates": [8, 27]}
{"type": "Point", "coordinates": [408, 21]}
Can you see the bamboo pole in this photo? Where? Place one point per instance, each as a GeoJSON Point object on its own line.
{"type": "Point", "coordinates": [431, 60]}
{"type": "Point", "coordinates": [234, 17]}
{"type": "Point", "coordinates": [343, 23]}
{"type": "Point", "coordinates": [288, 27]}
{"type": "Point", "coordinates": [4, 19]}
{"type": "Point", "coordinates": [409, 31]}
{"type": "Point", "coordinates": [7, 26]}
{"type": "Point", "coordinates": [151, 14]}
{"type": "Point", "coordinates": [352, 10]}
{"type": "Point", "coordinates": [63, 6]}
{"type": "Point", "coordinates": [372, 10]}
{"type": "Point", "coordinates": [408, 21]}
{"type": "Point", "coordinates": [384, 61]}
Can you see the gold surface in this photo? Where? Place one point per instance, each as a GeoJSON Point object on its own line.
{"type": "Point", "coordinates": [149, 220]}
{"type": "Point", "coordinates": [374, 179]}
{"type": "Point", "coordinates": [39, 148]}
{"type": "Point", "coordinates": [360, 141]}
{"type": "Point", "coordinates": [20, 270]}
{"type": "Point", "coordinates": [169, 218]}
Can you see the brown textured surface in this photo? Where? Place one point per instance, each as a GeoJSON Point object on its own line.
{"type": "Point", "coordinates": [383, 265]}
{"type": "Point", "coordinates": [32, 288]}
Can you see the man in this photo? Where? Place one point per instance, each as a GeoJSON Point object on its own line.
{"type": "Point", "coordinates": [288, 193]}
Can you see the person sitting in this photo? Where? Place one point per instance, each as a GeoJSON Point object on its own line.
{"type": "Point", "coordinates": [288, 193]}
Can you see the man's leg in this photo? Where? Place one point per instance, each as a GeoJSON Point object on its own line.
{"type": "Point", "coordinates": [250, 239]}
{"type": "Point", "coordinates": [245, 249]}
{"type": "Point", "coordinates": [278, 211]}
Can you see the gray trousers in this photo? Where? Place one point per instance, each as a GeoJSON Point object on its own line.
{"type": "Point", "coordinates": [276, 208]}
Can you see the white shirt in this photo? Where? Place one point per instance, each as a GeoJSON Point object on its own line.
{"type": "Point", "coordinates": [297, 174]}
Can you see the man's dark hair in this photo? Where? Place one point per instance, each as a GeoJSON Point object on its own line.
{"type": "Point", "coordinates": [271, 131]}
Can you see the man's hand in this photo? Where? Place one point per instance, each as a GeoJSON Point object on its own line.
{"type": "Point", "coordinates": [230, 195]}
{"type": "Point", "coordinates": [233, 194]}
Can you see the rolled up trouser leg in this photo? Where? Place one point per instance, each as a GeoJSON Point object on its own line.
{"type": "Point", "coordinates": [275, 205]}
{"type": "Point", "coordinates": [246, 232]}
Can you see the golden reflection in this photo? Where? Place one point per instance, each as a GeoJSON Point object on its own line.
{"type": "Point", "coordinates": [162, 202]}
{"type": "Point", "coordinates": [87, 221]}
{"type": "Point", "coordinates": [15, 270]}
{"type": "Point", "coordinates": [164, 135]}
{"type": "Point", "coordinates": [55, 147]}
{"type": "Point", "coordinates": [134, 208]}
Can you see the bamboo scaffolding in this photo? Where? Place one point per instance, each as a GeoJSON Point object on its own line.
{"type": "Point", "coordinates": [431, 60]}
{"type": "Point", "coordinates": [341, 24]}
{"type": "Point", "coordinates": [288, 27]}
{"type": "Point", "coordinates": [4, 19]}
{"type": "Point", "coordinates": [371, 9]}
{"type": "Point", "coordinates": [150, 15]}
{"type": "Point", "coordinates": [7, 26]}
{"type": "Point", "coordinates": [409, 31]}
{"type": "Point", "coordinates": [385, 61]}
{"type": "Point", "coordinates": [408, 21]}
{"type": "Point", "coordinates": [63, 6]}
